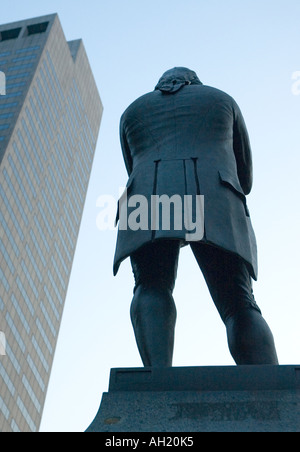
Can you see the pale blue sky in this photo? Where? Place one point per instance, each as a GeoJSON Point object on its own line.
{"type": "Point", "coordinates": [249, 49]}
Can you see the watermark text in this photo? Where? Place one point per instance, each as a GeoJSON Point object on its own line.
{"type": "Point", "coordinates": [2, 84]}
{"type": "Point", "coordinates": [296, 83]}
{"type": "Point", "coordinates": [159, 212]}
{"type": "Point", "coordinates": [2, 344]}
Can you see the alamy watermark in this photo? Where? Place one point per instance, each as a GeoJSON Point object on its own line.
{"type": "Point", "coordinates": [161, 212]}
{"type": "Point", "coordinates": [2, 344]}
{"type": "Point", "coordinates": [2, 84]}
{"type": "Point", "coordinates": [296, 83]}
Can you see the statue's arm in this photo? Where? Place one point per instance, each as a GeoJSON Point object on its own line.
{"type": "Point", "coordinates": [242, 151]}
{"type": "Point", "coordinates": [125, 148]}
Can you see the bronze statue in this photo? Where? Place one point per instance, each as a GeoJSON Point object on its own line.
{"type": "Point", "coordinates": [188, 142]}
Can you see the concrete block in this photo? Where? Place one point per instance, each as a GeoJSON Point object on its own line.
{"type": "Point", "coordinates": [201, 399]}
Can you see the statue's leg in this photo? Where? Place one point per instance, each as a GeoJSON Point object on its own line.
{"type": "Point", "coordinates": [153, 316]}
{"type": "Point", "coordinates": [153, 311]}
{"type": "Point", "coordinates": [250, 339]}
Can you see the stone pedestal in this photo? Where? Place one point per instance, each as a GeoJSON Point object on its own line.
{"type": "Point", "coordinates": [201, 399]}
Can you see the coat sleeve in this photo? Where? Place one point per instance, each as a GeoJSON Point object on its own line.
{"type": "Point", "coordinates": [125, 148]}
{"type": "Point", "coordinates": [242, 150]}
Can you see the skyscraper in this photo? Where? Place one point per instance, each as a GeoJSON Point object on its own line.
{"type": "Point", "coordinates": [49, 124]}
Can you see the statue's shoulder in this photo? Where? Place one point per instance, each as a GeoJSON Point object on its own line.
{"type": "Point", "coordinates": [141, 102]}
{"type": "Point", "coordinates": [216, 92]}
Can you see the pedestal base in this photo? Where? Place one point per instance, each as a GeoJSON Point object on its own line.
{"type": "Point", "coordinates": [201, 399]}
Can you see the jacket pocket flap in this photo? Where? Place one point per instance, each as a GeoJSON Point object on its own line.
{"type": "Point", "coordinates": [232, 181]}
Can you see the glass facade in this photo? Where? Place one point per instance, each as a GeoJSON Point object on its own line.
{"type": "Point", "coordinates": [49, 125]}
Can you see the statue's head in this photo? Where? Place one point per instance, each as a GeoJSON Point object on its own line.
{"type": "Point", "coordinates": [174, 79]}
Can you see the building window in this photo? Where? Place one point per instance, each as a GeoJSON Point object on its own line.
{"type": "Point", "coordinates": [6, 115]}
{"type": "Point", "coordinates": [4, 409]}
{"type": "Point", "coordinates": [20, 67]}
{"type": "Point", "coordinates": [20, 313]}
{"type": "Point", "coordinates": [24, 58]}
{"type": "Point", "coordinates": [26, 414]}
{"type": "Point", "coordinates": [27, 49]}
{"type": "Point", "coordinates": [10, 105]}
{"type": "Point", "coordinates": [37, 28]}
{"type": "Point", "coordinates": [10, 34]}
{"type": "Point", "coordinates": [14, 77]}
